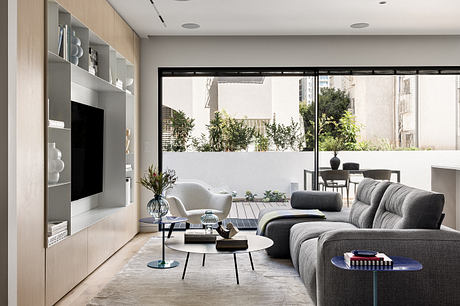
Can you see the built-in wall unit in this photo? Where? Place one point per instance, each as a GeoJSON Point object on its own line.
{"type": "Point", "coordinates": [90, 203]}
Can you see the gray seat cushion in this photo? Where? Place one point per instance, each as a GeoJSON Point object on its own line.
{"type": "Point", "coordinates": [307, 265]}
{"type": "Point", "coordinates": [367, 200]}
{"type": "Point", "coordinates": [404, 207]}
{"type": "Point", "coordinates": [304, 231]}
{"type": "Point", "coordinates": [322, 200]}
{"type": "Point", "coordinates": [278, 230]}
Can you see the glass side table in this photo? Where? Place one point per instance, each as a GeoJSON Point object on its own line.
{"type": "Point", "coordinates": [162, 263]}
{"type": "Point", "coordinates": [400, 264]}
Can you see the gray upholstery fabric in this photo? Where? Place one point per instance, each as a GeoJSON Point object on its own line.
{"type": "Point", "coordinates": [435, 284]}
{"type": "Point", "coordinates": [301, 232]}
{"type": "Point", "coordinates": [278, 230]}
{"type": "Point", "coordinates": [406, 207]}
{"type": "Point", "coordinates": [307, 265]}
{"type": "Point", "coordinates": [322, 200]}
{"type": "Point", "coordinates": [367, 201]}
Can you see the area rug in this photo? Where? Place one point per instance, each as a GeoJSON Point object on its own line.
{"type": "Point", "coordinates": [274, 281]}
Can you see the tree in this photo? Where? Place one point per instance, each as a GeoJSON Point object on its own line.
{"type": "Point", "coordinates": [332, 103]}
{"type": "Point", "coordinates": [216, 133]}
{"type": "Point", "coordinates": [181, 129]}
{"type": "Point", "coordinates": [237, 135]}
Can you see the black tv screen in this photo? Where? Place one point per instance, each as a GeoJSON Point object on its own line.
{"type": "Point", "coordinates": [87, 150]}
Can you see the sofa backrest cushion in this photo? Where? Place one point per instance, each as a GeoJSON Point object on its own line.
{"type": "Point", "coordinates": [404, 207]}
{"type": "Point", "coordinates": [366, 202]}
{"type": "Point", "coordinates": [322, 200]}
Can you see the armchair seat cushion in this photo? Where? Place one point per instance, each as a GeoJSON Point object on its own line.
{"type": "Point", "coordinates": [302, 232]}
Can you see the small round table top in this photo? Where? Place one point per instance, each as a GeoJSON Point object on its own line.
{"type": "Point", "coordinates": [399, 264]}
{"type": "Point", "coordinates": [164, 220]}
{"type": "Point", "coordinates": [255, 243]}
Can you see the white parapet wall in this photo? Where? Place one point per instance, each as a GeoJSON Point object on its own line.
{"type": "Point", "coordinates": [260, 171]}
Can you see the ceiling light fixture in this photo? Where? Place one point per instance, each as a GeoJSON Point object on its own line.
{"type": "Point", "coordinates": [381, 2]}
{"type": "Point", "coordinates": [158, 13]}
{"type": "Point", "coordinates": [190, 26]}
{"type": "Point", "coordinates": [359, 25]}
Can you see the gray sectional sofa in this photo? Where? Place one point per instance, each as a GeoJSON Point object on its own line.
{"type": "Point", "coordinates": [388, 217]}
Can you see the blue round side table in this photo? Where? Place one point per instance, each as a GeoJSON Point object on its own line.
{"type": "Point", "coordinates": [399, 264]}
{"type": "Point", "coordinates": [162, 263]}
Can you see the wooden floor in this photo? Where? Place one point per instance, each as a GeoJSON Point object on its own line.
{"type": "Point", "coordinates": [89, 287]}
{"type": "Point", "coordinates": [250, 210]}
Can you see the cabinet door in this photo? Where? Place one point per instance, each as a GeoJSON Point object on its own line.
{"type": "Point", "coordinates": [100, 242]}
{"type": "Point", "coordinates": [66, 266]}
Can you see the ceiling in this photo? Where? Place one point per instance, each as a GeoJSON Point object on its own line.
{"type": "Point", "coordinates": [292, 17]}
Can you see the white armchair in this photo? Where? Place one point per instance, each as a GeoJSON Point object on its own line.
{"type": "Point", "coordinates": [191, 200]}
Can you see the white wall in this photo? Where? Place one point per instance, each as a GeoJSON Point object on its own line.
{"type": "Point", "coordinates": [246, 100]}
{"type": "Point", "coordinates": [438, 112]}
{"type": "Point", "coordinates": [288, 51]}
{"type": "Point", "coordinates": [260, 171]}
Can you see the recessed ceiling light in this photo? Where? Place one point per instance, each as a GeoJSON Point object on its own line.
{"type": "Point", "coordinates": [190, 25]}
{"type": "Point", "coordinates": [359, 25]}
{"type": "Point", "coordinates": [381, 2]}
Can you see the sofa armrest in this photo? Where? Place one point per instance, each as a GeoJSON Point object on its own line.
{"type": "Point", "coordinates": [435, 284]}
{"type": "Point", "coordinates": [322, 200]}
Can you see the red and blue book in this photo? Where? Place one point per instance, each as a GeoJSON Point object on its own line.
{"type": "Point", "coordinates": [380, 259]}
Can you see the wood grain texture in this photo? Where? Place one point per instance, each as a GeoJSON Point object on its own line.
{"type": "Point", "coordinates": [137, 130]}
{"type": "Point", "coordinates": [101, 18]}
{"type": "Point", "coordinates": [30, 151]}
{"type": "Point", "coordinates": [66, 266]}
{"type": "Point", "coordinates": [4, 92]}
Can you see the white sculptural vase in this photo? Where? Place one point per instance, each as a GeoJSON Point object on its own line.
{"type": "Point", "coordinates": [55, 164]}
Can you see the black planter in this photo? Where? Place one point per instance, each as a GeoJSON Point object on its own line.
{"type": "Point", "coordinates": [335, 162]}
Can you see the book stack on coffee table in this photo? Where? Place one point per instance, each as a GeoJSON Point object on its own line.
{"type": "Point", "coordinates": [199, 236]}
{"type": "Point", "coordinates": [377, 260]}
{"type": "Point", "coordinates": [236, 243]}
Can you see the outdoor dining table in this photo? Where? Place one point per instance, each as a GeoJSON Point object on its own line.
{"type": "Point", "coordinates": [307, 172]}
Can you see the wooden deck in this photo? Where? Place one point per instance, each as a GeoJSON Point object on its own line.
{"type": "Point", "coordinates": [250, 210]}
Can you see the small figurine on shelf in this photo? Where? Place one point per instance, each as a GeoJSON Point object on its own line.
{"type": "Point", "coordinates": [128, 140]}
{"type": "Point", "coordinates": [229, 232]}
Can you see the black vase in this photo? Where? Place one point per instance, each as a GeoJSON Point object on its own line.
{"type": "Point", "coordinates": [335, 162]}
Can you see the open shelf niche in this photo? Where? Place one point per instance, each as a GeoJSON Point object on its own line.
{"type": "Point", "coordinates": [67, 82]}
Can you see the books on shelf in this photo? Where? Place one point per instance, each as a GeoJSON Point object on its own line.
{"type": "Point", "coordinates": [57, 238]}
{"type": "Point", "coordinates": [64, 41]}
{"type": "Point", "coordinates": [57, 231]}
{"type": "Point", "coordinates": [199, 236]}
{"type": "Point", "coordinates": [56, 124]}
{"type": "Point", "coordinates": [238, 242]}
{"type": "Point", "coordinates": [380, 259]}
{"type": "Point", "coordinates": [55, 227]}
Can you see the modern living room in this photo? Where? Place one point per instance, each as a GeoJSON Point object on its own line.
{"type": "Point", "coordinates": [284, 153]}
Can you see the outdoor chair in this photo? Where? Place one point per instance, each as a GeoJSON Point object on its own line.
{"type": "Point", "coordinates": [378, 174]}
{"type": "Point", "coordinates": [335, 180]}
{"type": "Point", "coordinates": [355, 179]}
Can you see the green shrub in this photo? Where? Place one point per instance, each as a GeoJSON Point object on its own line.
{"type": "Point", "coordinates": [249, 196]}
{"type": "Point", "coordinates": [274, 196]}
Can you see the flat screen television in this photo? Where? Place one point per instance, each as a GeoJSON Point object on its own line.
{"type": "Point", "coordinates": [87, 150]}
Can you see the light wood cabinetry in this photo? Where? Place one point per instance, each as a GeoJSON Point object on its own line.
{"type": "Point", "coordinates": [106, 221]}
{"type": "Point", "coordinates": [101, 18]}
{"type": "Point", "coordinates": [66, 266]}
{"type": "Point", "coordinates": [30, 139]}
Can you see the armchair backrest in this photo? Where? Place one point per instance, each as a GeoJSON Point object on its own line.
{"type": "Point", "coordinates": [192, 195]}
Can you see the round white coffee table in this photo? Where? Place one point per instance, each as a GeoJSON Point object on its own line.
{"type": "Point", "coordinates": [255, 243]}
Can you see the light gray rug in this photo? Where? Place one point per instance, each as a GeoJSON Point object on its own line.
{"type": "Point", "coordinates": [274, 281]}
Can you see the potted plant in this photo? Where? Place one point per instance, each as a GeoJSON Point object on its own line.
{"type": "Point", "coordinates": [335, 145]}
{"type": "Point", "coordinates": [158, 182]}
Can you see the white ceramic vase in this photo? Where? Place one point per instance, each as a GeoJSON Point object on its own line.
{"type": "Point", "coordinates": [55, 164]}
